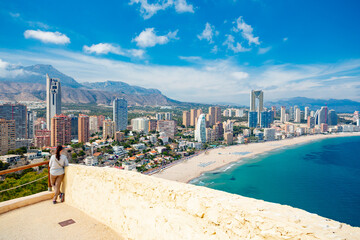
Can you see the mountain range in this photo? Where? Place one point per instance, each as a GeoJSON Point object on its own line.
{"type": "Point", "coordinates": [29, 84]}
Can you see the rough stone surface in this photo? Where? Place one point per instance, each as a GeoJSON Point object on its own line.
{"type": "Point", "coordinates": [144, 207]}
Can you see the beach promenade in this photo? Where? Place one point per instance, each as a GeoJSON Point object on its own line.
{"type": "Point", "coordinates": [220, 157]}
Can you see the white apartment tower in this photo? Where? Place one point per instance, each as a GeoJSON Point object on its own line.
{"type": "Point", "coordinates": [200, 130]}
{"type": "Point", "coordinates": [53, 99]}
{"type": "Point", "coordinates": [283, 114]}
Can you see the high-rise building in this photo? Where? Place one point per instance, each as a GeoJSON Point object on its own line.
{"type": "Point", "coordinates": [297, 115]}
{"type": "Point", "coordinates": [307, 113]}
{"type": "Point", "coordinates": [7, 136]}
{"type": "Point", "coordinates": [93, 124]}
{"type": "Point", "coordinates": [119, 136]}
{"type": "Point", "coordinates": [332, 118]}
{"type": "Point", "coordinates": [287, 117]}
{"type": "Point", "coordinates": [42, 138]}
{"type": "Point", "coordinates": [310, 122]}
{"type": "Point", "coordinates": [228, 126]}
{"type": "Point", "coordinates": [266, 119]}
{"type": "Point", "coordinates": [260, 106]}
{"type": "Point", "coordinates": [217, 114]}
{"type": "Point", "coordinates": [291, 113]}
{"type": "Point", "coordinates": [152, 125]}
{"type": "Point", "coordinates": [273, 108]}
{"type": "Point", "coordinates": [159, 116]}
{"type": "Point", "coordinates": [120, 114]}
{"type": "Point", "coordinates": [212, 113]}
{"type": "Point", "coordinates": [140, 125]}
{"type": "Point", "coordinates": [210, 135]}
{"type": "Point", "coordinates": [321, 115]}
{"type": "Point", "coordinates": [193, 116]}
{"type": "Point", "coordinates": [168, 116]}
{"type": "Point", "coordinates": [228, 138]}
{"type": "Point", "coordinates": [168, 127]}
{"type": "Point", "coordinates": [17, 112]}
{"type": "Point", "coordinates": [253, 119]}
{"type": "Point", "coordinates": [200, 130]}
{"type": "Point", "coordinates": [323, 127]}
{"type": "Point", "coordinates": [83, 128]}
{"type": "Point", "coordinates": [108, 129]}
{"type": "Point", "coordinates": [269, 134]}
{"type": "Point", "coordinates": [312, 113]}
{"type": "Point", "coordinates": [74, 126]}
{"type": "Point", "coordinates": [60, 130]}
{"type": "Point", "coordinates": [218, 130]}
{"type": "Point", "coordinates": [282, 114]}
{"type": "Point", "coordinates": [186, 118]}
{"type": "Point", "coordinates": [53, 99]}
{"type": "Point", "coordinates": [31, 118]}
{"type": "Point", "coordinates": [101, 119]}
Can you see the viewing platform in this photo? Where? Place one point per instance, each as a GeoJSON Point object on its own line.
{"type": "Point", "coordinates": [108, 203]}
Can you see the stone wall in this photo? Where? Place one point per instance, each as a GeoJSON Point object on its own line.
{"type": "Point", "coordinates": [145, 207]}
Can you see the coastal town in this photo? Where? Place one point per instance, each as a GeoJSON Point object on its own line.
{"type": "Point", "coordinates": [157, 137]}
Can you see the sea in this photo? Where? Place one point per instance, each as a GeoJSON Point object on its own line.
{"type": "Point", "coordinates": [321, 177]}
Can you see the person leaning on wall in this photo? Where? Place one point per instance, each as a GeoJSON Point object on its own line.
{"type": "Point", "coordinates": [57, 164]}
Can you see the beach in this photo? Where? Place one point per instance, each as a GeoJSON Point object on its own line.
{"type": "Point", "coordinates": [220, 157]}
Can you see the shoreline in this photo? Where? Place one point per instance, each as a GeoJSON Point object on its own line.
{"type": "Point", "coordinates": [220, 157]}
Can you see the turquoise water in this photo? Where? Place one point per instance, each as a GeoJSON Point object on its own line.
{"type": "Point", "coordinates": [321, 177]}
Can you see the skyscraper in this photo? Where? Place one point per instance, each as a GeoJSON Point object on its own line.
{"type": "Point", "coordinates": [140, 124]}
{"type": "Point", "coordinates": [74, 126]}
{"type": "Point", "coordinates": [17, 112]}
{"type": "Point", "coordinates": [53, 99]}
{"type": "Point", "coordinates": [93, 124]}
{"type": "Point", "coordinates": [108, 129]}
{"type": "Point", "coordinates": [31, 118]}
{"type": "Point", "coordinates": [200, 130]}
{"type": "Point", "coordinates": [83, 128]}
{"type": "Point", "coordinates": [217, 114]}
{"type": "Point", "coordinates": [273, 108]}
{"type": "Point", "coordinates": [168, 127]}
{"type": "Point", "coordinates": [321, 116]}
{"type": "Point", "coordinates": [186, 118]}
{"type": "Point", "coordinates": [60, 130]}
{"type": "Point", "coordinates": [266, 119]}
{"type": "Point", "coordinates": [297, 115]}
{"type": "Point", "coordinates": [283, 114]}
{"type": "Point", "coordinates": [253, 119]}
{"type": "Point", "coordinates": [193, 116]}
{"type": "Point", "coordinates": [307, 113]}
{"type": "Point", "coordinates": [168, 116]}
{"type": "Point", "coordinates": [260, 106]}
{"type": "Point", "coordinates": [120, 114]}
{"type": "Point", "coordinates": [310, 122]}
{"type": "Point", "coordinates": [7, 136]}
{"type": "Point", "coordinates": [332, 118]}
{"type": "Point", "coordinates": [211, 116]}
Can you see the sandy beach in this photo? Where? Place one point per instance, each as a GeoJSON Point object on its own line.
{"type": "Point", "coordinates": [220, 157]}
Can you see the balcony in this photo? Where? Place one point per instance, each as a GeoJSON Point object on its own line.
{"type": "Point", "coordinates": [108, 203]}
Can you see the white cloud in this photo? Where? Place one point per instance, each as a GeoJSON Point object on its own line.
{"type": "Point", "coordinates": [234, 46]}
{"type": "Point", "coordinates": [14, 15]}
{"type": "Point", "coordinates": [285, 39]}
{"type": "Point", "coordinates": [148, 38]}
{"type": "Point", "coordinates": [215, 49]}
{"type": "Point", "coordinates": [148, 10]}
{"type": "Point", "coordinates": [105, 48]}
{"type": "Point", "coordinates": [207, 81]}
{"type": "Point", "coordinates": [208, 33]}
{"type": "Point", "coordinates": [264, 50]}
{"type": "Point", "coordinates": [182, 6]}
{"type": "Point", "coordinates": [47, 37]}
{"type": "Point", "coordinates": [246, 31]}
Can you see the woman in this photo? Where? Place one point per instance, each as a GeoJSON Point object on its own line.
{"type": "Point", "coordinates": [57, 164]}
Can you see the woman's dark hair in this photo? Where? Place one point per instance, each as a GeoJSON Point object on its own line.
{"type": "Point", "coordinates": [58, 150]}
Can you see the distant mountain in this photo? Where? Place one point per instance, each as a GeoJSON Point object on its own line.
{"type": "Point", "coordinates": [28, 83]}
{"type": "Point", "coordinates": [339, 105]}
{"type": "Point", "coordinates": [37, 74]}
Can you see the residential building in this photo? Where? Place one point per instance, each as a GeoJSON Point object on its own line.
{"type": "Point", "coordinates": [119, 136]}
{"type": "Point", "coordinates": [109, 129]}
{"type": "Point", "coordinates": [218, 130]}
{"type": "Point", "coordinates": [252, 119]}
{"type": "Point", "coordinates": [193, 116]}
{"type": "Point", "coordinates": [7, 136]}
{"type": "Point", "coordinates": [217, 115]}
{"type": "Point", "coordinates": [269, 134]}
{"type": "Point", "coordinates": [168, 116]}
{"type": "Point", "coordinates": [18, 113]}
{"type": "Point", "coordinates": [310, 122]}
{"type": "Point", "coordinates": [321, 115]}
{"type": "Point", "coordinates": [168, 127]}
{"type": "Point", "coordinates": [31, 118]}
{"type": "Point", "coordinates": [210, 135]}
{"type": "Point", "coordinates": [152, 125]}
{"type": "Point", "coordinates": [83, 128]}
{"type": "Point", "coordinates": [297, 115]}
{"type": "Point", "coordinates": [53, 99]}
{"type": "Point", "coordinates": [228, 126]}
{"type": "Point", "coordinates": [332, 118]}
{"type": "Point", "coordinates": [140, 125]}
{"type": "Point", "coordinates": [200, 130]}
{"type": "Point", "coordinates": [186, 118]}
{"type": "Point", "coordinates": [307, 113]}
{"type": "Point", "coordinates": [159, 116]}
{"type": "Point", "coordinates": [212, 114]}
{"type": "Point", "coordinates": [60, 130]}
{"type": "Point", "coordinates": [93, 124]}
{"type": "Point", "coordinates": [228, 138]}
{"type": "Point", "coordinates": [287, 117]}
{"type": "Point", "coordinates": [266, 119]}
{"type": "Point", "coordinates": [101, 119]}
{"type": "Point", "coordinates": [324, 127]}
{"type": "Point", "coordinates": [120, 114]}
{"type": "Point", "coordinates": [74, 126]}
{"type": "Point", "coordinates": [282, 114]}
{"type": "Point", "coordinates": [42, 138]}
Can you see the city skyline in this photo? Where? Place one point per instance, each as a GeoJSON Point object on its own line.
{"type": "Point", "coordinates": [246, 45]}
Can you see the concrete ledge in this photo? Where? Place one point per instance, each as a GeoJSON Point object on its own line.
{"type": "Point", "coordinates": [24, 201]}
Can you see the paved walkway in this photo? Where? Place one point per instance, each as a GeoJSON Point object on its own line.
{"type": "Point", "coordinates": [40, 221]}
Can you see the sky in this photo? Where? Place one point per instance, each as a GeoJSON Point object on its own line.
{"type": "Point", "coordinates": [206, 51]}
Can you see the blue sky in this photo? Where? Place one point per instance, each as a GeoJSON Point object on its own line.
{"type": "Point", "coordinates": [201, 51]}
